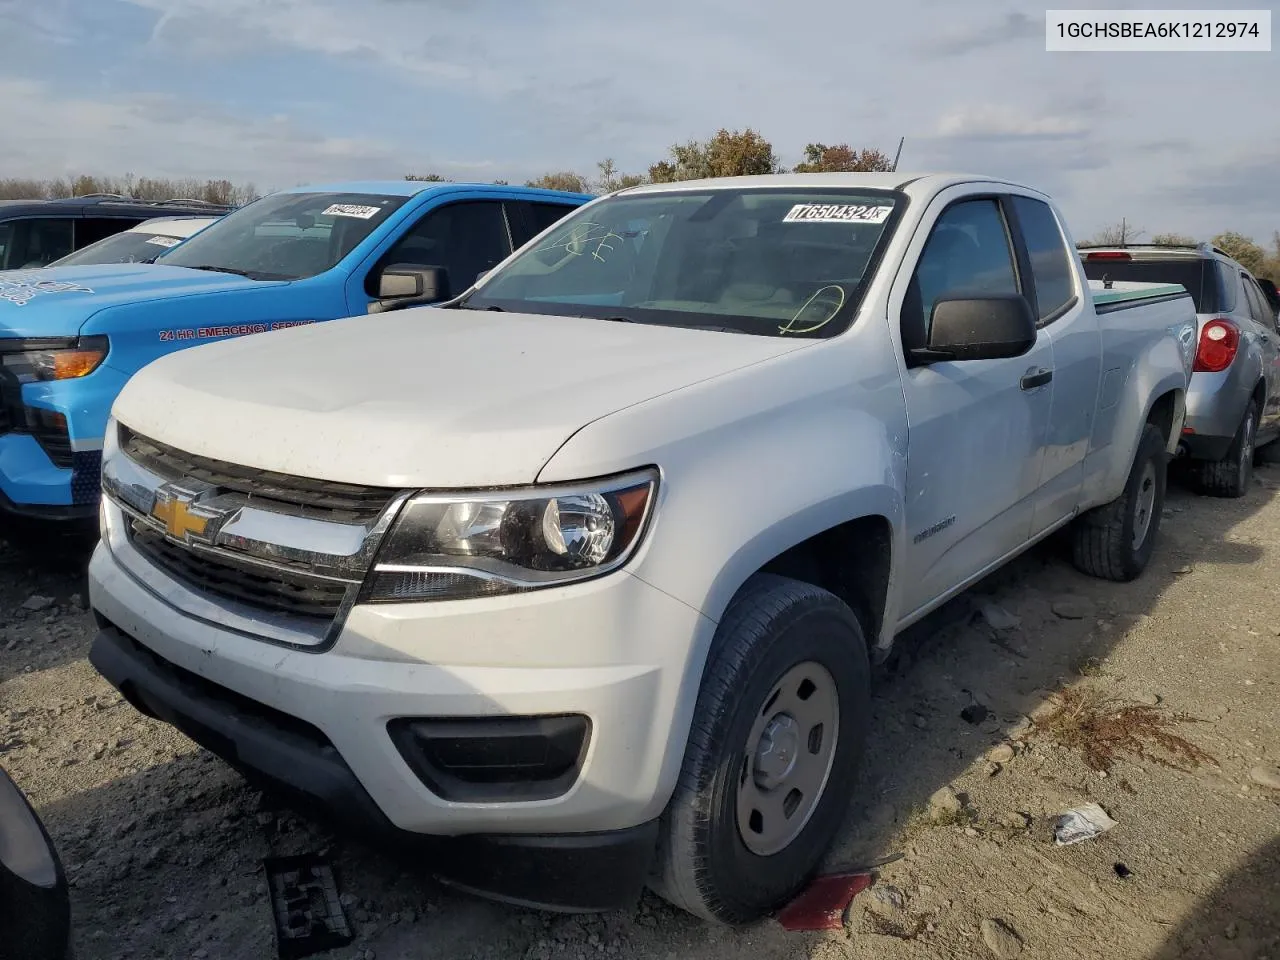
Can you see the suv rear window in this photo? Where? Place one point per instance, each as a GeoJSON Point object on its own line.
{"type": "Point", "coordinates": [1194, 274]}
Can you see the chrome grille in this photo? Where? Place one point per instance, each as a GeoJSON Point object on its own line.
{"type": "Point", "coordinates": [270, 589]}
{"type": "Point", "coordinates": [323, 499]}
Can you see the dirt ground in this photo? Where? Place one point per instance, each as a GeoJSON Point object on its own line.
{"type": "Point", "coordinates": [164, 843]}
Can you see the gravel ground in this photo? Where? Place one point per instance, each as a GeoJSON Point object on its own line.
{"type": "Point", "coordinates": [163, 843]}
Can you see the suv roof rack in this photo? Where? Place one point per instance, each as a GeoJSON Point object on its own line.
{"type": "Point", "coordinates": [1202, 247]}
{"type": "Point", "coordinates": [190, 201]}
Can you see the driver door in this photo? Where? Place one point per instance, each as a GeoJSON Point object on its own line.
{"type": "Point", "coordinates": [977, 429]}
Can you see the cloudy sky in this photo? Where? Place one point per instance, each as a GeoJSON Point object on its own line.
{"type": "Point", "coordinates": [282, 92]}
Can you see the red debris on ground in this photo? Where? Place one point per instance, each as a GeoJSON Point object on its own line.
{"type": "Point", "coordinates": [823, 904]}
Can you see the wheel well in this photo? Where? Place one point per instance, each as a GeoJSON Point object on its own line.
{"type": "Point", "coordinates": [1162, 413]}
{"type": "Point", "coordinates": [852, 561]}
{"type": "Point", "coordinates": [1260, 394]}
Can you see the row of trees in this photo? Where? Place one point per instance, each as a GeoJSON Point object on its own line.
{"type": "Point", "coordinates": [1246, 251]}
{"type": "Point", "coordinates": [141, 188]}
{"type": "Point", "coordinates": [730, 153]}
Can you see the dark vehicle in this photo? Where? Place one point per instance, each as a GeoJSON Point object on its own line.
{"type": "Point", "coordinates": [35, 905]}
{"type": "Point", "coordinates": [34, 233]}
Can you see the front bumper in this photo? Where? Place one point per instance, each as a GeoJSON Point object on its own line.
{"type": "Point", "coordinates": [579, 872]}
{"type": "Point", "coordinates": [32, 486]}
{"type": "Point", "coordinates": [615, 650]}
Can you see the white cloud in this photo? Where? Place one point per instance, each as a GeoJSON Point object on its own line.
{"type": "Point", "coordinates": [158, 135]}
{"type": "Point", "coordinates": [1002, 121]}
{"type": "Point", "coordinates": [499, 88]}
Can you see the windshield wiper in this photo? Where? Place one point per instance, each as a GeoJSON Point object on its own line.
{"type": "Point", "coordinates": [248, 274]}
{"type": "Point", "coordinates": [208, 266]}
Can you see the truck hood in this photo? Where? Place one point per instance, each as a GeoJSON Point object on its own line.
{"type": "Point", "coordinates": [56, 301]}
{"type": "Point", "coordinates": [419, 398]}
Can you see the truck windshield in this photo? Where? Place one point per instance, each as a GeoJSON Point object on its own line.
{"type": "Point", "coordinates": [127, 247]}
{"type": "Point", "coordinates": [763, 261]}
{"type": "Point", "coordinates": [286, 236]}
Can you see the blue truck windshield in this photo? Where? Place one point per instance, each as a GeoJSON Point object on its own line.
{"type": "Point", "coordinates": [771, 262]}
{"type": "Point", "coordinates": [287, 236]}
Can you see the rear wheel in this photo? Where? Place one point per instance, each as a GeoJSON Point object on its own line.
{"type": "Point", "coordinates": [1231, 476]}
{"type": "Point", "coordinates": [1114, 541]}
{"type": "Point", "coordinates": [777, 737]}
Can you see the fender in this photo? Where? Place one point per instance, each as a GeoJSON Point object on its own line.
{"type": "Point", "coordinates": [755, 462]}
{"type": "Point", "coordinates": [1125, 401]}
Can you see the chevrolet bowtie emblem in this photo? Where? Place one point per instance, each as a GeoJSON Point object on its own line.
{"type": "Point", "coordinates": [176, 507]}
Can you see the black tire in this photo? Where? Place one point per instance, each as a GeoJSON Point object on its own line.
{"type": "Point", "coordinates": [1103, 540]}
{"type": "Point", "coordinates": [1232, 475]}
{"type": "Point", "coordinates": [703, 864]}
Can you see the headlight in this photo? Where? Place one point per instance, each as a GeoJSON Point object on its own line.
{"type": "Point", "coordinates": [34, 360]}
{"type": "Point", "coordinates": [110, 440]}
{"type": "Point", "coordinates": [452, 547]}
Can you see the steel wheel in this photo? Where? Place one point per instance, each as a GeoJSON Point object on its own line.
{"type": "Point", "coordinates": [788, 758]}
{"type": "Point", "coordinates": [1144, 504]}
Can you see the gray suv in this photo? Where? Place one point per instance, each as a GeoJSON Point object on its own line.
{"type": "Point", "coordinates": [1233, 402]}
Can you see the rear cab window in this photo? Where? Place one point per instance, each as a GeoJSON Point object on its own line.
{"type": "Point", "coordinates": [1051, 269]}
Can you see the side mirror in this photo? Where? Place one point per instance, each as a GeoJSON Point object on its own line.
{"type": "Point", "coordinates": [402, 280]}
{"type": "Point", "coordinates": [979, 328]}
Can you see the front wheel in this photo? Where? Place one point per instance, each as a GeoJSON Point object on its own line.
{"type": "Point", "coordinates": [1114, 541]}
{"type": "Point", "coordinates": [777, 737]}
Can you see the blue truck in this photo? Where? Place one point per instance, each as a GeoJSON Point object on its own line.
{"type": "Point", "coordinates": [70, 337]}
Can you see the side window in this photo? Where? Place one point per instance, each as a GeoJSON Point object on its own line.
{"type": "Point", "coordinates": [465, 238]}
{"type": "Point", "coordinates": [38, 242]}
{"type": "Point", "coordinates": [1229, 287]}
{"type": "Point", "coordinates": [545, 214]}
{"type": "Point", "coordinates": [92, 229]}
{"type": "Point", "coordinates": [967, 252]}
{"type": "Point", "coordinates": [1051, 268]}
{"type": "Point", "coordinates": [530, 219]}
{"type": "Point", "coordinates": [7, 234]}
{"type": "Point", "coordinates": [1258, 305]}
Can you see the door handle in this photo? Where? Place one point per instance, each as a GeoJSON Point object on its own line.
{"type": "Point", "coordinates": [1030, 381]}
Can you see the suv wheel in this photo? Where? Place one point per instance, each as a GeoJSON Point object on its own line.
{"type": "Point", "coordinates": [1230, 476]}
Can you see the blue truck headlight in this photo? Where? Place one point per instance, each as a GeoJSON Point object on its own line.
{"type": "Point", "coordinates": [456, 546]}
{"type": "Point", "coordinates": [30, 361]}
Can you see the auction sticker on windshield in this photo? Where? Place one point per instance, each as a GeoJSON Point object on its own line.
{"type": "Point", "coordinates": [837, 213]}
{"type": "Point", "coordinates": [165, 241]}
{"type": "Point", "coordinates": [351, 210]}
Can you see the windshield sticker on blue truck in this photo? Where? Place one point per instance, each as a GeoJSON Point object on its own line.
{"type": "Point", "coordinates": [837, 213]}
{"type": "Point", "coordinates": [20, 288]}
{"type": "Point", "coordinates": [165, 241]}
{"type": "Point", "coordinates": [237, 330]}
{"type": "Point", "coordinates": [350, 210]}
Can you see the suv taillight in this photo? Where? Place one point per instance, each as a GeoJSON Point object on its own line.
{"type": "Point", "coordinates": [1219, 340]}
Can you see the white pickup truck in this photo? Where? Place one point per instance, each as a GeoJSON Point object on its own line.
{"type": "Point", "coordinates": [578, 578]}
